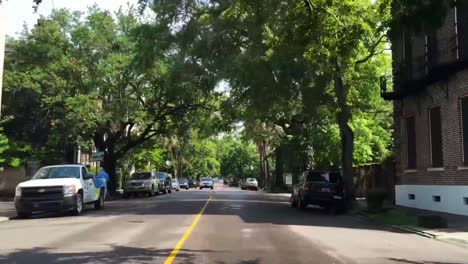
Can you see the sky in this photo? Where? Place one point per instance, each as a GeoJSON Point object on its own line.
{"type": "Point", "coordinates": [14, 13]}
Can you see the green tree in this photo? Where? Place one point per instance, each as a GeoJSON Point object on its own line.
{"type": "Point", "coordinates": [98, 77]}
{"type": "Point", "coordinates": [238, 158]}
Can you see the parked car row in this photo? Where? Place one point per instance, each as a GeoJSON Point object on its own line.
{"type": "Point", "coordinates": [68, 188]}
{"type": "Point", "coordinates": [154, 183]}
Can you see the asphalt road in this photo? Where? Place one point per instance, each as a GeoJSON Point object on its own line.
{"type": "Point", "coordinates": [241, 227]}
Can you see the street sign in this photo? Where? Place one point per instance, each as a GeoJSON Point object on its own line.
{"type": "Point", "coordinates": [97, 156]}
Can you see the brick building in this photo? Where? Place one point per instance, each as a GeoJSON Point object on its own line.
{"type": "Point", "coordinates": [430, 94]}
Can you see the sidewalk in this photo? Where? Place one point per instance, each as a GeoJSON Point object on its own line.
{"type": "Point", "coordinates": [7, 210]}
{"type": "Point", "coordinates": [457, 230]}
{"type": "Point", "coordinates": [406, 219]}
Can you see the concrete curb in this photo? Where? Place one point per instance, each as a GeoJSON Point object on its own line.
{"type": "Point", "coordinates": [401, 228]}
{"type": "Point", "coordinates": [415, 231]}
{"type": "Point", "coordinates": [4, 219]}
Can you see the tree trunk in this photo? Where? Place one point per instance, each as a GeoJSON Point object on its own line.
{"type": "Point", "coordinates": [262, 168]}
{"type": "Point", "coordinates": [279, 167]}
{"type": "Point", "coordinates": [347, 140]}
{"type": "Point", "coordinates": [69, 151]}
{"type": "Point", "coordinates": [267, 172]}
{"type": "Point", "coordinates": [110, 166]}
{"type": "Point", "coordinates": [347, 134]}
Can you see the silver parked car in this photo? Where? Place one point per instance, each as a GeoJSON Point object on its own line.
{"type": "Point", "coordinates": [142, 183]}
{"type": "Point", "coordinates": [251, 183]}
{"type": "Point", "coordinates": [184, 184]}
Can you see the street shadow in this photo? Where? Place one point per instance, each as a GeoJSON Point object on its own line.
{"type": "Point", "coordinates": [420, 262]}
{"type": "Point", "coordinates": [117, 254]}
{"type": "Point", "coordinates": [253, 261]}
{"type": "Point", "coordinates": [252, 209]}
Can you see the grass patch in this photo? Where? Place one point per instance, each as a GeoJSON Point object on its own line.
{"type": "Point", "coordinates": [394, 218]}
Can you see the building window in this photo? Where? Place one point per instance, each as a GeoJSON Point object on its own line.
{"type": "Point", "coordinates": [411, 142]}
{"type": "Point", "coordinates": [465, 200]}
{"type": "Point", "coordinates": [435, 130]}
{"type": "Point", "coordinates": [411, 196]}
{"type": "Point", "coordinates": [464, 116]}
{"type": "Point", "coordinates": [436, 198]}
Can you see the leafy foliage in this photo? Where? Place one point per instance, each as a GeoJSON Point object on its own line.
{"type": "Point", "coordinates": [93, 77]}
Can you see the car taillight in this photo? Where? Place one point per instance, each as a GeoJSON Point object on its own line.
{"type": "Point", "coordinates": [306, 186]}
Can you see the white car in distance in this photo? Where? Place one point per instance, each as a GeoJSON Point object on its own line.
{"type": "Point", "coordinates": [175, 185]}
{"type": "Point", "coordinates": [206, 182]}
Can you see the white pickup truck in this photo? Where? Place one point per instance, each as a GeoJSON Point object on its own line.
{"type": "Point", "coordinates": [59, 188]}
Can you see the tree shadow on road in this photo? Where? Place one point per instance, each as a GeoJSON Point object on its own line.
{"type": "Point", "coordinates": [117, 254]}
{"type": "Point", "coordinates": [406, 261]}
{"type": "Point", "coordinates": [277, 212]}
{"type": "Point", "coordinates": [253, 261]}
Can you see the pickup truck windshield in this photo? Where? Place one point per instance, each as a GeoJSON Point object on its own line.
{"type": "Point", "coordinates": [141, 176]}
{"type": "Point", "coordinates": [57, 173]}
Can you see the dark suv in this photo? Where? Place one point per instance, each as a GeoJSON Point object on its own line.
{"type": "Point", "coordinates": [322, 188]}
{"type": "Point", "coordinates": [165, 182]}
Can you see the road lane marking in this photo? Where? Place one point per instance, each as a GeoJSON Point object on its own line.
{"type": "Point", "coordinates": [186, 235]}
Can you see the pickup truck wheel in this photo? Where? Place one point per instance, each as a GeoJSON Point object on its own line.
{"type": "Point", "coordinates": [301, 204]}
{"type": "Point", "coordinates": [79, 204]}
{"type": "Point", "coordinates": [211, 187]}
{"type": "Point", "coordinates": [169, 191]}
{"type": "Point", "coordinates": [99, 204]}
{"type": "Point", "coordinates": [293, 201]}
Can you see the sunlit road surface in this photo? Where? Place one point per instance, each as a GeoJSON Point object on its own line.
{"type": "Point", "coordinates": [224, 225]}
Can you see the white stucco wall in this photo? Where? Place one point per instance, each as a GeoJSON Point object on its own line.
{"type": "Point", "coordinates": [452, 197]}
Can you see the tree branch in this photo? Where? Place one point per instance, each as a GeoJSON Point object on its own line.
{"type": "Point", "coordinates": [372, 50]}
{"type": "Point", "coordinates": [310, 8]}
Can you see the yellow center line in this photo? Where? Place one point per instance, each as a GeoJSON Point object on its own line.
{"type": "Point", "coordinates": [186, 235]}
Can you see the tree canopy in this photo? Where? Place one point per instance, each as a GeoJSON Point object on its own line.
{"type": "Point", "coordinates": [217, 87]}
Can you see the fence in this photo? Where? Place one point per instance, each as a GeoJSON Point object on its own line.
{"type": "Point", "coordinates": [375, 176]}
{"type": "Point", "coordinates": [11, 177]}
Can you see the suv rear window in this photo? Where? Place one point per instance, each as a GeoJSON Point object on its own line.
{"type": "Point", "coordinates": [316, 176]}
{"type": "Point", "coordinates": [141, 176]}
